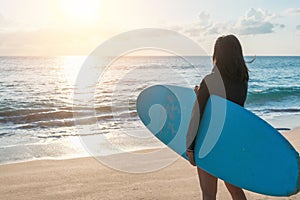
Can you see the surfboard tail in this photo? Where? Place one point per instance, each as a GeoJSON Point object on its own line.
{"type": "Point", "coordinates": [297, 189]}
{"type": "Point", "coordinates": [298, 184]}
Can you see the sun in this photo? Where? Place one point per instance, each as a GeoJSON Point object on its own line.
{"type": "Point", "coordinates": [82, 10]}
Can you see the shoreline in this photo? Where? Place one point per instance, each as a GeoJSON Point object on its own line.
{"type": "Point", "coordinates": [78, 156]}
{"type": "Point", "coordinates": [81, 152]}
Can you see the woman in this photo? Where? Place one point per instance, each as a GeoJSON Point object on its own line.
{"type": "Point", "coordinates": [229, 79]}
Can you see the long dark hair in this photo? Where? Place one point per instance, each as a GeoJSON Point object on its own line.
{"type": "Point", "coordinates": [228, 58]}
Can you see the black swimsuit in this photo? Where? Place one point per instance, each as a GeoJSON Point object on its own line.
{"type": "Point", "coordinates": [233, 90]}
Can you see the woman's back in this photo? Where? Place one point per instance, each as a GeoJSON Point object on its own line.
{"type": "Point", "coordinates": [233, 90]}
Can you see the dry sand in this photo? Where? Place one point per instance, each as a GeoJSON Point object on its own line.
{"type": "Point", "coordinates": [86, 178]}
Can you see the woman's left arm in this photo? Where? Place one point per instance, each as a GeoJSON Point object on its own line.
{"type": "Point", "coordinates": [198, 108]}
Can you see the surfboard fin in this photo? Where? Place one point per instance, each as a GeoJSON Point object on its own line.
{"type": "Point", "coordinates": [283, 129]}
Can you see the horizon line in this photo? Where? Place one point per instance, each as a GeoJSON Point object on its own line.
{"type": "Point", "coordinates": [82, 55]}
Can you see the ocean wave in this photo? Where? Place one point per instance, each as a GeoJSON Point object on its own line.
{"type": "Point", "coordinates": [66, 116]}
{"type": "Point", "coordinates": [273, 94]}
{"type": "Point", "coordinates": [277, 110]}
{"type": "Point", "coordinates": [5, 134]}
{"type": "Point", "coordinates": [284, 110]}
{"type": "Point", "coordinates": [45, 118]}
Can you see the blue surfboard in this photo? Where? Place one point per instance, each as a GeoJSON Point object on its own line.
{"type": "Point", "coordinates": [232, 143]}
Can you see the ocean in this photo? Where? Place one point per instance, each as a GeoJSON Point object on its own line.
{"type": "Point", "coordinates": [40, 116]}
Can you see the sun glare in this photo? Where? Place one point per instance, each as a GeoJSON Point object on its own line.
{"type": "Point", "coordinates": [85, 10]}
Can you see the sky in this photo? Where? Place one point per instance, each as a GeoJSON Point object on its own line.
{"type": "Point", "coordinates": [77, 27]}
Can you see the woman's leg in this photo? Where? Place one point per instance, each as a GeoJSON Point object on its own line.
{"type": "Point", "coordinates": [236, 193]}
{"type": "Point", "coordinates": [208, 184]}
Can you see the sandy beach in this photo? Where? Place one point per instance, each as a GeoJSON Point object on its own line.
{"type": "Point", "coordinates": [86, 178]}
{"type": "Point", "coordinates": [90, 88]}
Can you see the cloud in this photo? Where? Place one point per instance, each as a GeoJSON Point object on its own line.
{"type": "Point", "coordinates": [203, 27]}
{"type": "Point", "coordinates": [256, 21]}
{"type": "Point", "coordinates": [176, 28]}
{"type": "Point", "coordinates": [292, 11]}
{"type": "Point", "coordinates": [298, 30]}
{"type": "Point", "coordinates": [7, 24]}
{"type": "Point", "coordinates": [204, 19]}
{"type": "Point", "coordinates": [254, 28]}
{"type": "Point", "coordinates": [50, 41]}
{"type": "Point", "coordinates": [3, 22]}
{"type": "Point", "coordinates": [1, 19]}
{"type": "Point", "coordinates": [56, 38]}
{"type": "Point", "coordinates": [253, 22]}
{"type": "Point", "coordinates": [200, 27]}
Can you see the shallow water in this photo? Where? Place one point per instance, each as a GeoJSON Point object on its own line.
{"type": "Point", "coordinates": [39, 115]}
